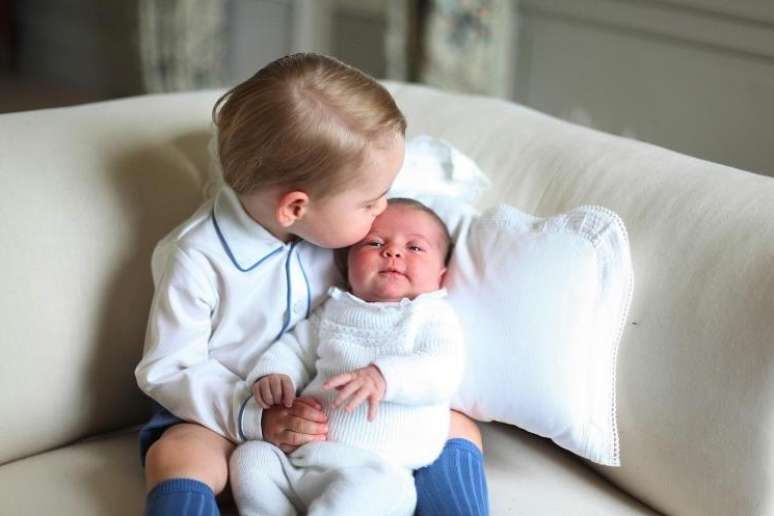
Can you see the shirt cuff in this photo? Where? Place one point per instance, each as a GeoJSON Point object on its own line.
{"type": "Point", "coordinates": [250, 415]}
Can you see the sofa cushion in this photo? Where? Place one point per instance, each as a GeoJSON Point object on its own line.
{"type": "Point", "coordinates": [435, 167]}
{"type": "Point", "coordinates": [86, 193]}
{"type": "Point", "coordinates": [91, 478]}
{"type": "Point", "coordinates": [526, 475]}
{"type": "Point", "coordinates": [543, 302]}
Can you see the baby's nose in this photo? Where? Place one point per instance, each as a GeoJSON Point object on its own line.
{"type": "Point", "coordinates": [391, 252]}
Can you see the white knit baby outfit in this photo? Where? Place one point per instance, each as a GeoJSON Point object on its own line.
{"type": "Point", "coordinates": [364, 468]}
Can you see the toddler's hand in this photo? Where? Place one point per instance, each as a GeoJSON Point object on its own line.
{"type": "Point", "coordinates": [274, 389]}
{"type": "Point", "coordinates": [289, 428]}
{"type": "Point", "coordinates": [360, 384]}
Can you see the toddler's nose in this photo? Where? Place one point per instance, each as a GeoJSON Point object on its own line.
{"type": "Point", "coordinates": [379, 207]}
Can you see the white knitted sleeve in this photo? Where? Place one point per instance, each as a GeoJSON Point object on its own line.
{"type": "Point", "coordinates": [432, 373]}
{"type": "Point", "coordinates": [293, 354]}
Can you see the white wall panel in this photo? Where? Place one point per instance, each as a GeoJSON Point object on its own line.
{"type": "Point", "coordinates": [685, 75]}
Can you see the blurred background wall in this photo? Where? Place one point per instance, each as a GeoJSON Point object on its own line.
{"type": "Point", "coordinates": [696, 76]}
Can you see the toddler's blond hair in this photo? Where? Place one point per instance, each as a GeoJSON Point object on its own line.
{"type": "Point", "coordinates": [304, 121]}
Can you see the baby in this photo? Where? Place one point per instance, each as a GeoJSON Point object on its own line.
{"type": "Point", "coordinates": [392, 341]}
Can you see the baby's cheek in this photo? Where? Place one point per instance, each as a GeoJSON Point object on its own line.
{"type": "Point", "coordinates": [431, 278]}
{"type": "Point", "coordinates": [355, 273]}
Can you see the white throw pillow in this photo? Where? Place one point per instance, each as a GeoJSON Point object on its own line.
{"type": "Point", "coordinates": [435, 167]}
{"type": "Point", "coordinates": [431, 167]}
{"type": "Point", "coordinates": [543, 302]}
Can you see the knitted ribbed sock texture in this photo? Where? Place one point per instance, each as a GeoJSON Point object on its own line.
{"type": "Point", "coordinates": [181, 497]}
{"type": "Point", "coordinates": [455, 484]}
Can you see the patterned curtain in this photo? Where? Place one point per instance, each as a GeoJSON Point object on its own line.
{"type": "Point", "coordinates": [403, 48]}
{"type": "Point", "coordinates": [460, 45]}
{"type": "Point", "coordinates": [182, 44]}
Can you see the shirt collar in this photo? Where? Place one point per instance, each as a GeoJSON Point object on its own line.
{"type": "Point", "coordinates": [337, 293]}
{"type": "Point", "coordinates": [245, 241]}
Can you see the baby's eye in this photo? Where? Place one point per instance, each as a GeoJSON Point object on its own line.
{"type": "Point", "coordinates": [415, 248]}
{"type": "Point", "coordinates": [374, 243]}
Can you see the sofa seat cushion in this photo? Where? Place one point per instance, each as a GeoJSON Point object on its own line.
{"type": "Point", "coordinates": [91, 478]}
{"type": "Point", "coordinates": [95, 477]}
{"type": "Point", "coordinates": [526, 474]}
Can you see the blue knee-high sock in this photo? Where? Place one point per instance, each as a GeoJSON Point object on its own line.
{"type": "Point", "coordinates": [455, 484]}
{"type": "Point", "coordinates": [181, 497]}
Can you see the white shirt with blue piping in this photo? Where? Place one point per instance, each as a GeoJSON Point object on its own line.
{"type": "Point", "coordinates": [225, 289]}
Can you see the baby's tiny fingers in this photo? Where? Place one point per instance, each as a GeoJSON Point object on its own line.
{"type": "Point", "coordinates": [357, 399]}
{"type": "Point", "coordinates": [345, 393]}
{"type": "Point", "coordinates": [265, 389]}
{"type": "Point", "coordinates": [259, 401]}
{"type": "Point", "coordinates": [258, 396]}
{"type": "Point", "coordinates": [287, 392]}
{"type": "Point", "coordinates": [276, 389]}
{"type": "Point", "coordinates": [373, 407]}
{"type": "Point", "coordinates": [336, 381]}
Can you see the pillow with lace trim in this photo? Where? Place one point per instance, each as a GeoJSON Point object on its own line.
{"type": "Point", "coordinates": [543, 303]}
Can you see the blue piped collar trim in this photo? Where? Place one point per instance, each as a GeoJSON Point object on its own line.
{"type": "Point", "coordinates": [247, 243]}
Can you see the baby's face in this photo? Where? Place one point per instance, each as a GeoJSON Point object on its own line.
{"type": "Point", "coordinates": [401, 256]}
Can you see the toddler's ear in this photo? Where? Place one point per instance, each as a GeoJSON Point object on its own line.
{"type": "Point", "coordinates": [291, 207]}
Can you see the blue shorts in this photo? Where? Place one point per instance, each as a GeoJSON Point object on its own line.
{"type": "Point", "coordinates": [157, 425]}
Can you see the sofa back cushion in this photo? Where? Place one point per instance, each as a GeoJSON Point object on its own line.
{"type": "Point", "coordinates": [85, 193]}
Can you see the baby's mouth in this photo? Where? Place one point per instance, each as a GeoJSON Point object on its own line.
{"type": "Point", "coordinates": [391, 272]}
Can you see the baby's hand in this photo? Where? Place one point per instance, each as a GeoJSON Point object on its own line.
{"type": "Point", "coordinates": [274, 389]}
{"type": "Point", "coordinates": [360, 384]}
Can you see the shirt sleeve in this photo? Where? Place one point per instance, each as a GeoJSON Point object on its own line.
{"type": "Point", "coordinates": [294, 354]}
{"type": "Point", "coordinates": [433, 371]}
{"type": "Point", "coordinates": [176, 369]}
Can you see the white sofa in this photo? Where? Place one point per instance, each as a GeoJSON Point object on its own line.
{"type": "Point", "coordinates": [87, 191]}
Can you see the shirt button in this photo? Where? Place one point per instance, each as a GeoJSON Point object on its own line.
{"type": "Point", "coordinates": [299, 307]}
